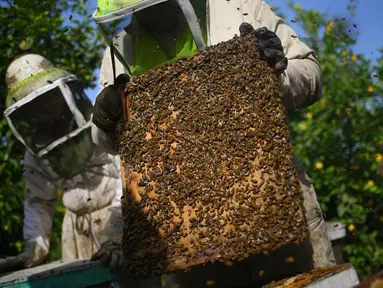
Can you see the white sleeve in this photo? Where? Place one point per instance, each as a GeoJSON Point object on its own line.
{"type": "Point", "coordinates": [106, 70]}
{"type": "Point", "coordinates": [302, 80]}
{"type": "Point", "coordinates": [40, 196]}
{"type": "Point", "coordinates": [104, 141]}
{"type": "Point", "coordinates": [301, 83]}
{"type": "Point", "coordinates": [117, 198]}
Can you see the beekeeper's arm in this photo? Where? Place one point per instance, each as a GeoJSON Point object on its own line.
{"type": "Point", "coordinates": [40, 195]}
{"type": "Point", "coordinates": [107, 109]}
{"type": "Point", "coordinates": [302, 79]}
{"type": "Point", "coordinates": [107, 141]}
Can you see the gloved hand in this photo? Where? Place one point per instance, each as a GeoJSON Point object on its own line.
{"type": "Point", "coordinates": [107, 109]}
{"type": "Point", "coordinates": [110, 252]}
{"type": "Point", "coordinates": [31, 256]}
{"type": "Point", "coordinates": [269, 46]}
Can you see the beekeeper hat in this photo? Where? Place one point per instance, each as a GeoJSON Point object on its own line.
{"type": "Point", "coordinates": [45, 106]}
{"type": "Point", "coordinates": [28, 73]}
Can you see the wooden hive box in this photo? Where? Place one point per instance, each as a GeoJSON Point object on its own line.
{"type": "Point", "coordinates": [207, 163]}
{"type": "Point", "coordinates": [61, 274]}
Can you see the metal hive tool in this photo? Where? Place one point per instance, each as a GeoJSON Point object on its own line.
{"type": "Point", "coordinates": [207, 163]}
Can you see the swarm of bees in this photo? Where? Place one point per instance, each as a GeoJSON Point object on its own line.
{"type": "Point", "coordinates": [211, 175]}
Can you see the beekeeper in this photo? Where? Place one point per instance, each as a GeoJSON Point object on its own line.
{"type": "Point", "coordinates": [142, 35]}
{"type": "Point", "coordinates": [50, 114]}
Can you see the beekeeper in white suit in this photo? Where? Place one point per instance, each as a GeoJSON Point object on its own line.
{"type": "Point", "coordinates": [50, 114]}
{"type": "Point", "coordinates": [144, 34]}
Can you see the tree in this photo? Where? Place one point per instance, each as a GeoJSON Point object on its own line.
{"type": "Point", "coordinates": [62, 32]}
{"type": "Point", "coordinates": [340, 138]}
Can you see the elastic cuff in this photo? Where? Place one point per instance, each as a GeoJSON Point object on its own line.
{"type": "Point", "coordinates": [105, 125]}
{"type": "Point", "coordinates": [43, 243]}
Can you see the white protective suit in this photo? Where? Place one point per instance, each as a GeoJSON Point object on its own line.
{"type": "Point", "coordinates": [87, 197]}
{"type": "Point", "coordinates": [301, 83]}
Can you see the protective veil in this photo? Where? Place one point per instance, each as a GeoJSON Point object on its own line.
{"type": "Point", "coordinates": [50, 114]}
{"type": "Point", "coordinates": [151, 33]}
{"type": "Point", "coordinates": [53, 120]}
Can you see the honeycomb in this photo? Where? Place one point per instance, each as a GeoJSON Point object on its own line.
{"type": "Point", "coordinates": [208, 162]}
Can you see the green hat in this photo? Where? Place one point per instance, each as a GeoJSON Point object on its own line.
{"type": "Point", "coordinates": [28, 73]}
{"type": "Point", "coordinates": [107, 7]}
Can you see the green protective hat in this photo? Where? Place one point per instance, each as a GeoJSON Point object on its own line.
{"type": "Point", "coordinates": [32, 83]}
{"type": "Point", "coordinates": [106, 7]}
{"type": "Point", "coordinates": [27, 73]}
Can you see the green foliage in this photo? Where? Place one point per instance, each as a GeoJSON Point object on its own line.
{"type": "Point", "coordinates": [11, 192]}
{"type": "Point", "coordinates": [63, 32]}
{"type": "Point", "coordinates": [340, 138]}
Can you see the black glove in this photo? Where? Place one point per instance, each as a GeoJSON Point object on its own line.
{"type": "Point", "coordinates": [269, 46]}
{"type": "Point", "coordinates": [107, 109]}
{"type": "Point", "coordinates": [110, 254]}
